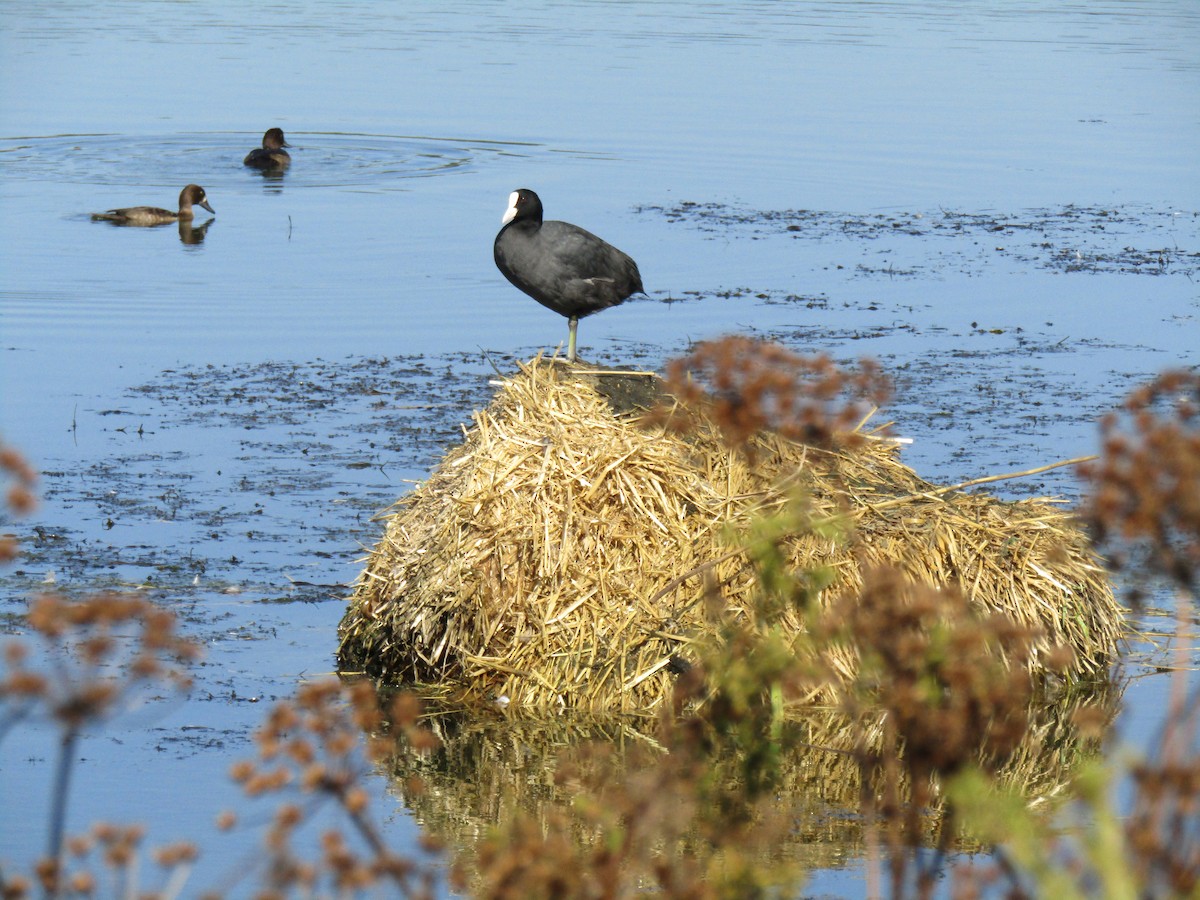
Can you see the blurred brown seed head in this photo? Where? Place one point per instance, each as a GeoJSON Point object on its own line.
{"type": "Point", "coordinates": [1145, 488]}
{"type": "Point", "coordinates": [940, 671]}
{"type": "Point", "coordinates": [20, 496]}
{"type": "Point", "coordinates": [746, 386]}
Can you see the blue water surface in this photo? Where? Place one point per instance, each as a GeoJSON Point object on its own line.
{"type": "Point", "coordinates": [1073, 126]}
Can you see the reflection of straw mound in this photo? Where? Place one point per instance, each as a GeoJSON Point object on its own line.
{"type": "Point", "coordinates": [542, 560]}
{"type": "Point", "coordinates": [488, 769]}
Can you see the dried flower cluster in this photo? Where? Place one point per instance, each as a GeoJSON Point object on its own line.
{"type": "Point", "coordinates": [92, 659]}
{"type": "Point", "coordinates": [118, 850]}
{"type": "Point", "coordinates": [955, 693]}
{"type": "Point", "coordinates": [97, 657]}
{"type": "Point", "coordinates": [748, 386]}
{"type": "Point", "coordinates": [954, 684]}
{"type": "Point", "coordinates": [1145, 505]}
{"type": "Point", "coordinates": [20, 498]}
{"type": "Point", "coordinates": [640, 822]}
{"type": "Point", "coordinates": [1163, 833]}
{"type": "Point", "coordinates": [1146, 485]}
{"type": "Point", "coordinates": [98, 664]}
{"type": "Point", "coordinates": [312, 748]}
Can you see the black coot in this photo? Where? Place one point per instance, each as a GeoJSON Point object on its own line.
{"type": "Point", "coordinates": [561, 266]}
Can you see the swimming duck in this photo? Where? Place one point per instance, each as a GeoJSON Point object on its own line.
{"type": "Point", "coordinates": [192, 195]}
{"type": "Point", "coordinates": [561, 266]}
{"type": "Point", "coordinates": [271, 154]}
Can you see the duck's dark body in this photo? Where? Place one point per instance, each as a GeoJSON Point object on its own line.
{"type": "Point", "coordinates": [271, 154]}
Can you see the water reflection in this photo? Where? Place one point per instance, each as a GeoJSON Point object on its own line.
{"type": "Point", "coordinates": [190, 233]}
{"type": "Point", "coordinates": [272, 179]}
{"type": "Point", "coordinates": [492, 768]}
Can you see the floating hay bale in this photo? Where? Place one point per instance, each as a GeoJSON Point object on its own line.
{"type": "Point", "coordinates": [551, 559]}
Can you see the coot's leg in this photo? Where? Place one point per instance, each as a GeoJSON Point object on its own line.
{"type": "Point", "coordinates": [572, 326]}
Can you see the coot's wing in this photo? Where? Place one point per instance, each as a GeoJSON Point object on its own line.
{"type": "Point", "coordinates": [586, 266]}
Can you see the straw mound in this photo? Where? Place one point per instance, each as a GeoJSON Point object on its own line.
{"type": "Point", "coordinates": [542, 560]}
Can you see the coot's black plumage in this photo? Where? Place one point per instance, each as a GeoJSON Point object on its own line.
{"type": "Point", "coordinates": [561, 266]}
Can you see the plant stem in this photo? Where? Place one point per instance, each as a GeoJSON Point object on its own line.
{"type": "Point", "coordinates": [58, 809]}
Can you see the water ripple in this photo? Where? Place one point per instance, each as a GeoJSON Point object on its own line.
{"type": "Point", "coordinates": [327, 159]}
